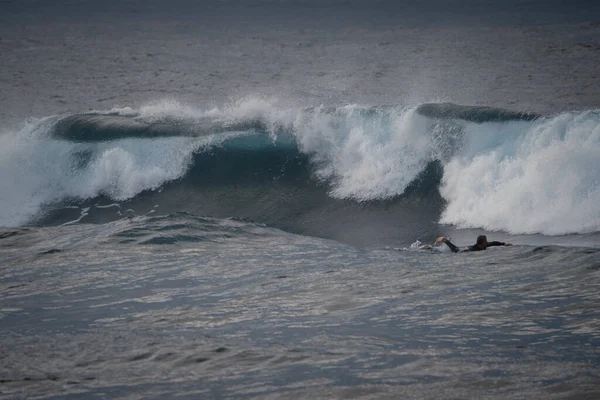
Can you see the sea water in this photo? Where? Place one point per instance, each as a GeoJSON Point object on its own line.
{"type": "Point", "coordinates": [228, 199]}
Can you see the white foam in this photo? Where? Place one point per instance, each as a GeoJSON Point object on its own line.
{"type": "Point", "coordinates": [540, 177]}
{"type": "Point", "coordinates": [367, 156]}
{"type": "Point", "coordinates": [24, 168]}
{"type": "Point", "coordinates": [36, 170]}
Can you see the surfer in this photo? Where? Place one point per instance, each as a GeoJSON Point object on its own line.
{"type": "Point", "coordinates": [482, 244]}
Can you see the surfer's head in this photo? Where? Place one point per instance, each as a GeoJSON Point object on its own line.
{"type": "Point", "coordinates": [482, 242]}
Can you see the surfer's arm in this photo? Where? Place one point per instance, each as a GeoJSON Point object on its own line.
{"type": "Point", "coordinates": [498, 244]}
{"type": "Point", "coordinates": [448, 243]}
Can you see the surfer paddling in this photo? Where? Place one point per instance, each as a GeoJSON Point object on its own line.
{"type": "Point", "coordinates": [482, 244]}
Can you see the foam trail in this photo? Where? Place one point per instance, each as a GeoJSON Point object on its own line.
{"type": "Point", "coordinates": [539, 177]}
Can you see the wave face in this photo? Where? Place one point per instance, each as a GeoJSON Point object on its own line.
{"type": "Point", "coordinates": [494, 169]}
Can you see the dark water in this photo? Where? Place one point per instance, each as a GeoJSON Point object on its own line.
{"type": "Point", "coordinates": [226, 199]}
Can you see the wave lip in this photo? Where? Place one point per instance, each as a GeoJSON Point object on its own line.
{"type": "Point", "coordinates": [94, 128]}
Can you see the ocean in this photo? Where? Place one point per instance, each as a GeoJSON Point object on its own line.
{"type": "Point", "coordinates": [233, 199]}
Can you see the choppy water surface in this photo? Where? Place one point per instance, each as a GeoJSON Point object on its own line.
{"type": "Point", "coordinates": [234, 309]}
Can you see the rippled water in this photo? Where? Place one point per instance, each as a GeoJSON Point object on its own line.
{"type": "Point", "coordinates": [246, 311]}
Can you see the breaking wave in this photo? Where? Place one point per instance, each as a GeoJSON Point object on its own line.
{"type": "Point", "coordinates": [495, 169]}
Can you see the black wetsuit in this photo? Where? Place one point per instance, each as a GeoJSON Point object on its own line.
{"type": "Point", "coordinates": [455, 248]}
